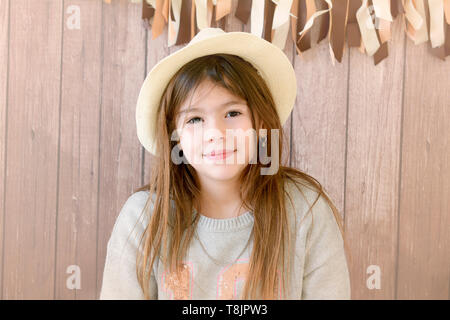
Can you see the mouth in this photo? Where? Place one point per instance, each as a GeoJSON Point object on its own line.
{"type": "Point", "coordinates": [214, 155]}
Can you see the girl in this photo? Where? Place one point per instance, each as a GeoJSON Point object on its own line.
{"type": "Point", "coordinates": [220, 218]}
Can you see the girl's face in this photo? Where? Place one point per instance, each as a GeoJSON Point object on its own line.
{"type": "Point", "coordinates": [216, 121]}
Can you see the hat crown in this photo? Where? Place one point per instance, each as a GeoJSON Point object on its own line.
{"type": "Point", "coordinates": [206, 33]}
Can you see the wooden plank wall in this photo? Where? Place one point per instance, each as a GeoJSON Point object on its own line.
{"type": "Point", "coordinates": [376, 137]}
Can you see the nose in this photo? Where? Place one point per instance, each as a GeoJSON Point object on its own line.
{"type": "Point", "coordinates": [214, 130]}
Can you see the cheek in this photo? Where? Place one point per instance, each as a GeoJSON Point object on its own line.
{"type": "Point", "coordinates": [244, 122]}
{"type": "Point", "coordinates": [187, 142]}
{"type": "Point", "coordinates": [250, 146]}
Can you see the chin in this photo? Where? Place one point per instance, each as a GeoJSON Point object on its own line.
{"type": "Point", "coordinates": [221, 172]}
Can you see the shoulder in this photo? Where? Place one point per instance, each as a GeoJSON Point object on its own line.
{"type": "Point", "coordinates": [318, 232]}
{"type": "Point", "coordinates": [308, 203]}
{"type": "Point", "coordinates": [131, 220]}
{"type": "Point", "coordinates": [301, 194]}
{"type": "Point", "coordinates": [138, 199]}
{"type": "Point", "coordinates": [133, 206]}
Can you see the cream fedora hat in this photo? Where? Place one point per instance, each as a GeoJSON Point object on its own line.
{"type": "Point", "coordinates": [271, 62]}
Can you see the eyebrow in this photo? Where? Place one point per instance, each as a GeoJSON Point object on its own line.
{"type": "Point", "coordinates": [228, 103]}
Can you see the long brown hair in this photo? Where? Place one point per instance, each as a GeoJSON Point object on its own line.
{"type": "Point", "coordinates": [263, 194]}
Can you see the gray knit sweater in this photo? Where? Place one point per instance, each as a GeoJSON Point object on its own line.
{"type": "Point", "coordinates": [213, 268]}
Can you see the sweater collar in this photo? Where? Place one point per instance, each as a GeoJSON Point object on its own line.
{"type": "Point", "coordinates": [225, 225]}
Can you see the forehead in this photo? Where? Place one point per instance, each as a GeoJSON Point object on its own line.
{"type": "Point", "coordinates": [209, 97]}
{"type": "Point", "coordinates": [217, 107]}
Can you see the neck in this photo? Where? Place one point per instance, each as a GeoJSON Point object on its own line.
{"type": "Point", "coordinates": [220, 199]}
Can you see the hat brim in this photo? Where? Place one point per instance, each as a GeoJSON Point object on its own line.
{"type": "Point", "coordinates": [272, 63]}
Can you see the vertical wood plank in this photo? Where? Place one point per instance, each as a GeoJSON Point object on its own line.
{"type": "Point", "coordinates": [372, 175]}
{"type": "Point", "coordinates": [79, 151]}
{"type": "Point", "coordinates": [4, 38]}
{"type": "Point", "coordinates": [32, 149]}
{"type": "Point", "coordinates": [424, 233]}
{"type": "Point", "coordinates": [286, 157]}
{"type": "Point", "coordinates": [319, 119]}
{"type": "Point", "coordinates": [120, 152]}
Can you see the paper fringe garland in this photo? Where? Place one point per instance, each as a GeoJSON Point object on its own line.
{"type": "Point", "coordinates": [365, 24]}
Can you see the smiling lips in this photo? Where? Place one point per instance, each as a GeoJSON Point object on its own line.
{"type": "Point", "coordinates": [221, 154]}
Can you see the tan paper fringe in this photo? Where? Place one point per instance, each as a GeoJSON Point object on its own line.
{"type": "Point", "coordinates": [373, 20]}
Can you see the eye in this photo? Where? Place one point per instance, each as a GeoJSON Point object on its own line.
{"type": "Point", "coordinates": [193, 122]}
{"type": "Point", "coordinates": [234, 112]}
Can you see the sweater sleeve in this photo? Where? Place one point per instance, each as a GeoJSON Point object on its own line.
{"type": "Point", "coordinates": [119, 276]}
{"type": "Point", "coordinates": [326, 275]}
